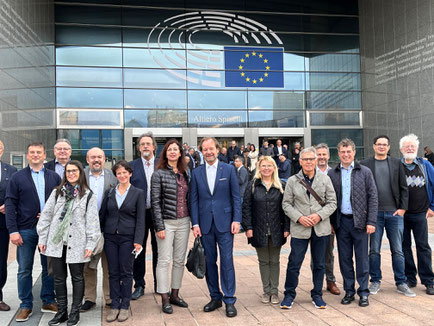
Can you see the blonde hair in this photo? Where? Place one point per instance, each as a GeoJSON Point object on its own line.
{"type": "Point", "coordinates": [275, 176]}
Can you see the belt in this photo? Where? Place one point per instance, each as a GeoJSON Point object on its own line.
{"type": "Point", "coordinates": [347, 215]}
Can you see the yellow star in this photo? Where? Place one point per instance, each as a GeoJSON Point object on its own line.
{"type": "Point", "coordinates": [242, 74]}
{"type": "Point", "coordinates": [266, 60]}
{"type": "Point", "coordinates": [247, 79]}
{"type": "Point", "coordinates": [260, 55]}
{"type": "Point", "coordinates": [266, 74]}
{"type": "Point", "coordinates": [253, 53]}
{"type": "Point", "coordinates": [267, 67]}
{"type": "Point", "coordinates": [242, 60]}
{"type": "Point", "coordinates": [247, 55]}
{"type": "Point", "coordinates": [254, 81]}
{"type": "Point", "coordinates": [261, 79]}
{"type": "Point", "coordinates": [240, 67]}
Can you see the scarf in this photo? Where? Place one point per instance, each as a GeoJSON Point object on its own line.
{"type": "Point", "coordinates": [70, 193]}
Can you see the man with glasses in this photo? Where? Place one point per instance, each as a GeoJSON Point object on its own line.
{"type": "Point", "coordinates": [420, 181]}
{"type": "Point", "coordinates": [354, 219]}
{"type": "Point", "coordinates": [392, 190]}
{"type": "Point", "coordinates": [62, 152]}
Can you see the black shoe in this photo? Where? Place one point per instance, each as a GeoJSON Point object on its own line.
{"type": "Point", "coordinates": [179, 302]}
{"type": "Point", "coordinates": [347, 299]}
{"type": "Point", "coordinates": [138, 292]}
{"type": "Point", "coordinates": [363, 301]}
{"type": "Point", "coordinates": [430, 289]}
{"type": "Point", "coordinates": [167, 308]}
{"type": "Point", "coordinates": [411, 285]}
{"type": "Point", "coordinates": [59, 317]}
{"type": "Point", "coordinates": [212, 305]}
{"type": "Point", "coordinates": [231, 311]}
{"type": "Point", "coordinates": [87, 305]}
{"type": "Point", "coordinates": [74, 317]}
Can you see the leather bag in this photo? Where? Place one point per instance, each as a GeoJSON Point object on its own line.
{"type": "Point", "coordinates": [196, 262]}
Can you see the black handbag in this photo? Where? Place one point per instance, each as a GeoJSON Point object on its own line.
{"type": "Point", "coordinates": [196, 263]}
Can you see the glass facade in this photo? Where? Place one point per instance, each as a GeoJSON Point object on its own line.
{"type": "Point", "coordinates": [144, 64]}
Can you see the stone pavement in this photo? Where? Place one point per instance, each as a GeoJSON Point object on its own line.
{"type": "Point", "coordinates": [386, 308]}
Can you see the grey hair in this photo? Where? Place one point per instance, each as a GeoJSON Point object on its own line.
{"type": "Point", "coordinates": [323, 145]}
{"type": "Point", "coordinates": [409, 138]}
{"type": "Point", "coordinates": [308, 150]}
{"type": "Point", "coordinates": [297, 143]}
{"type": "Point", "coordinates": [150, 135]}
{"type": "Point", "coordinates": [62, 140]}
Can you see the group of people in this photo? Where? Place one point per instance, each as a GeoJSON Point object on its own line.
{"type": "Point", "coordinates": [77, 216]}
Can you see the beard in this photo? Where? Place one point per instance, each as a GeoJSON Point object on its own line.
{"type": "Point", "coordinates": [146, 154]}
{"type": "Point", "coordinates": [409, 156]}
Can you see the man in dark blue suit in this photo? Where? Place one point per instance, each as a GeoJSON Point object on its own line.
{"type": "Point", "coordinates": [216, 216]}
{"type": "Point", "coordinates": [143, 168]}
{"type": "Point", "coordinates": [6, 172]}
{"type": "Point", "coordinates": [279, 150]}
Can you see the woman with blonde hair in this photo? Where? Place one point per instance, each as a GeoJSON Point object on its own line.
{"type": "Point", "coordinates": [266, 225]}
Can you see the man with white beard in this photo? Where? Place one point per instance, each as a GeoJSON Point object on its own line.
{"type": "Point", "coordinates": [420, 179]}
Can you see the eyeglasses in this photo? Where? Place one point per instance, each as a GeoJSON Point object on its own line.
{"type": "Point", "coordinates": [381, 145]}
{"type": "Point", "coordinates": [63, 148]}
{"type": "Point", "coordinates": [73, 171]}
{"type": "Point", "coordinates": [308, 159]}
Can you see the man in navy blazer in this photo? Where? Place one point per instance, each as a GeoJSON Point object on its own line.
{"type": "Point", "coordinates": [279, 150]}
{"type": "Point", "coordinates": [6, 172]}
{"type": "Point", "coordinates": [216, 216]}
{"type": "Point", "coordinates": [143, 168]}
{"type": "Point", "coordinates": [27, 192]}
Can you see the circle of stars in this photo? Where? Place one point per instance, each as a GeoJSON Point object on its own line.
{"type": "Point", "coordinates": [257, 55]}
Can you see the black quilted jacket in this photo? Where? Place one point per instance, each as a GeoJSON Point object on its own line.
{"type": "Point", "coordinates": [263, 210]}
{"type": "Point", "coordinates": [364, 197]}
{"type": "Point", "coordinates": [164, 197]}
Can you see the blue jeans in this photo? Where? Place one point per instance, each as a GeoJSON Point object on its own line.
{"type": "Point", "coordinates": [394, 226]}
{"type": "Point", "coordinates": [25, 258]}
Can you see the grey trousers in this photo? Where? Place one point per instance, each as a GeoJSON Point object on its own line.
{"type": "Point", "coordinates": [172, 249]}
{"type": "Point", "coordinates": [269, 267]}
{"type": "Point", "coordinates": [329, 260]}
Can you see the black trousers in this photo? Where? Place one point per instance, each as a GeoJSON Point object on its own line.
{"type": "Point", "coordinates": [60, 273]}
{"type": "Point", "coordinates": [4, 250]}
{"type": "Point", "coordinates": [140, 261]}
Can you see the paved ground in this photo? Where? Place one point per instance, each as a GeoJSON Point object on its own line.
{"type": "Point", "coordinates": [386, 308]}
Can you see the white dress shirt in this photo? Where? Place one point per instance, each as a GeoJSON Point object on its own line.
{"type": "Point", "coordinates": [149, 170]}
{"type": "Point", "coordinates": [96, 184]}
{"type": "Point", "coordinates": [211, 173]}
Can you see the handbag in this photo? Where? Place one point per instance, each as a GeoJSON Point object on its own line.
{"type": "Point", "coordinates": [196, 263]}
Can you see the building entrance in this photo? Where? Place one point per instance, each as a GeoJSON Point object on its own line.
{"type": "Point", "coordinates": [161, 141]}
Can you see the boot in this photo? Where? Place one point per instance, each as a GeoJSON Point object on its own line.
{"type": "Point", "coordinates": [77, 293]}
{"type": "Point", "coordinates": [74, 316]}
{"type": "Point", "coordinates": [62, 302]}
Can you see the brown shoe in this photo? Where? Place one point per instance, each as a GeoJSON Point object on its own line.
{"type": "Point", "coordinates": [332, 288]}
{"type": "Point", "coordinates": [51, 308]}
{"type": "Point", "coordinates": [4, 306]}
{"type": "Point", "coordinates": [23, 315]}
{"type": "Point", "coordinates": [123, 315]}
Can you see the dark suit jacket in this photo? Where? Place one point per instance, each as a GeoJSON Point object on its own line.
{"type": "Point", "coordinates": [223, 206]}
{"type": "Point", "coordinates": [243, 179]}
{"type": "Point", "coordinates": [138, 179]}
{"type": "Point", "coordinates": [51, 165]}
{"type": "Point", "coordinates": [284, 169]}
{"type": "Point", "coordinates": [397, 179]}
{"type": "Point", "coordinates": [232, 152]}
{"type": "Point", "coordinates": [129, 219]}
{"type": "Point", "coordinates": [276, 152]}
{"type": "Point", "coordinates": [22, 202]}
{"type": "Point", "coordinates": [7, 172]}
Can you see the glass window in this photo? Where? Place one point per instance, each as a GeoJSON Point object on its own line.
{"type": "Point", "coordinates": [319, 43]}
{"type": "Point", "coordinates": [154, 78]}
{"type": "Point", "coordinates": [264, 100]}
{"type": "Point", "coordinates": [333, 100]}
{"type": "Point", "coordinates": [276, 119]}
{"type": "Point", "coordinates": [202, 79]}
{"type": "Point", "coordinates": [149, 17]}
{"type": "Point", "coordinates": [217, 100]}
{"type": "Point", "coordinates": [154, 38]}
{"type": "Point", "coordinates": [217, 119]}
{"type": "Point", "coordinates": [343, 7]}
{"type": "Point", "coordinates": [89, 98]}
{"type": "Point", "coordinates": [294, 62]}
{"type": "Point", "coordinates": [89, 118]}
{"type": "Point", "coordinates": [330, 24]}
{"type": "Point", "coordinates": [333, 81]}
{"type": "Point", "coordinates": [73, 135]}
{"type": "Point", "coordinates": [27, 119]}
{"type": "Point", "coordinates": [154, 58]}
{"type": "Point", "coordinates": [112, 139]}
{"type": "Point", "coordinates": [88, 56]}
{"type": "Point", "coordinates": [155, 99]}
{"type": "Point", "coordinates": [333, 62]}
{"type": "Point", "coordinates": [333, 136]}
{"type": "Point", "coordinates": [295, 80]}
{"type": "Point", "coordinates": [88, 35]}
{"type": "Point", "coordinates": [206, 60]}
{"type": "Point", "coordinates": [155, 118]}
{"type": "Point", "coordinates": [335, 119]}
{"type": "Point", "coordinates": [215, 4]}
{"type": "Point", "coordinates": [88, 15]}
{"type": "Point", "coordinates": [90, 138]}
{"type": "Point", "coordinates": [78, 76]}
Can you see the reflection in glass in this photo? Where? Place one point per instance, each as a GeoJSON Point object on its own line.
{"type": "Point", "coordinates": [154, 38]}
{"type": "Point", "coordinates": [88, 56]}
{"type": "Point", "coordinates": [146, 58]}
{"type": "Point", "coordinates": [295, 80]}
{"type": "Point", "coordinates": [78, 76]}
{"type": "Point", "coordinates": [333, 62]}
{"type": "Point", "coordinates": [155, 118]}
{"type": "Point", "coordinates": [73, 135]}
{"type": "Point", "coordinates": [112, 139]}
{"type": "Point", "coordinates": [333, 100]}
{"type": "Point", "coordinates": [264, 100]}
{"type": "Point", "coordinates": [89, 118]}
{"type": "Point", "coordinates": [334, 81]}
{"type": "Point", "coordinates": [217, 100]}
{"type": "Point", "coordinates": [276, 119]}
{"type": "Point", "coordinates": [154, 78]}
{"type": "Point", "coordinates": [88, 35]}
{"type": "Point", "coordinates": [147, 16]}
{"type": "Point", "coordinates": [155, 99]}
{"type": "Point", "coordinates": [89, 98]}
{"type": "Point", "coordinates": [293, 62]}
{"type": "Point", "coordinates": [335, 119]}
{"type": "Point", "coordinates": [88, 15]}
{"type": "Point", "coordinates": [334, 136]}
{"type": "Point", "coordinates": [213, 119]}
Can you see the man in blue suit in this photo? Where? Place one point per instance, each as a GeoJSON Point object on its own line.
{"type": "Point", "coordinates": [216, 216]}
{"type": "Point", "coordinates": [6, 172]}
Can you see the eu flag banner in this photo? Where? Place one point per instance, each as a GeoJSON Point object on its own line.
{"type": "Point", "coordinates": [253, 67]}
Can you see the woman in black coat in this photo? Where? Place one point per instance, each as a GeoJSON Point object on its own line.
{"type": "Point", "coordinates": [266, 225]}
{"type": "Point", "coordinates": [122, 219]}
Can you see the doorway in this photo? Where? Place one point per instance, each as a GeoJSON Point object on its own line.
{"type": "Point", "coordinates": [161, 141]}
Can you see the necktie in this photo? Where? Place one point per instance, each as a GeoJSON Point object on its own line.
{"type": "Point", "coordinates": [148, 163]}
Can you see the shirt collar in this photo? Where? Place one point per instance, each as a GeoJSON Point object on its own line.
{"type": "Point", "coordinates": [31, 169]}
{"type": "Point", "coordinates": [92, 175]}
{"type": "Point", "coordinates": [349, 168]}
{"type": "Point", "coordinates": [215, 164]}
{"type": "Point", "coordinates": [151, 161]}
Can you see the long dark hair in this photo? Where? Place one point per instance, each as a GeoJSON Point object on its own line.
{"type": "Point", "coordinates": [163, 162]}
{"type": "Point", "coordinates": [81, 180]}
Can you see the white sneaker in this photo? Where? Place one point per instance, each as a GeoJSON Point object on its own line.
{"type": "Point", "coordinates": [405, 290]}
{"type": "Point", "coordinates": [374, 287]}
